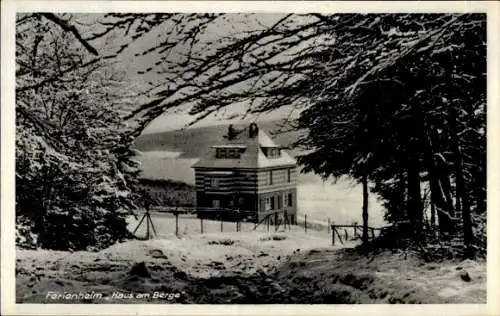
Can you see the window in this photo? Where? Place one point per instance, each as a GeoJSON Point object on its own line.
{"type": "Point", "coordinates": [271, 152]}
{"type": "Point", "coordinates": [228, 153]}
{"type": "Point", "coordinates": [233, 153]}
{"type": "Point", "coordinates": [287, 199]}
{"type": "Point", "coordinates": [269, 203]}
{"type": "Point", "coordinates": [214, 182]}
{"type": "Point", "coordinates": [221, 153]}
{"type": "Point", "coordinates": [289, 175]}
{"type": "Point", "coordinates": [215, 203]}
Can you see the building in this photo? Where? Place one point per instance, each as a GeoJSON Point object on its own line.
{"type": "Point", "coordinates": [247, 171]}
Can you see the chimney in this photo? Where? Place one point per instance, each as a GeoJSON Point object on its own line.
{"type": "Point", "coordinates": [231, 133]}
{"type": "Point", "coordinates": [253, 130]}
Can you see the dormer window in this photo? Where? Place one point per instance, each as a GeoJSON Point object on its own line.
{"type": "Point", "coordinates": [272, 152]}
{"type": "Point", "coordinates": [220, 153]}
{"type": "Point", "coordinates": [233, 153]}
{"type": "Point", "coordinates": [229, 152]}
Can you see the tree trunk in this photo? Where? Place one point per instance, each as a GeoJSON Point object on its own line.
{"type": "Point", "coordinates": [403, 186]}
{"type": "Point", "coordinates": [466, 212]}
{"type": "Point", "coordinates": [414, 198]}
{"type": "Point", "coordinates": [462, 192]}
{"type": "Point", "coordinates": [438, 199]}
{"type": "Point", "coordinates": [444, 180]}
{"type": "Point", "coordinates": [440, 189]}
{"type": "Point", "coordinates": [458, 204]}
{"type": "Point", "coordinates": [417, 142]}
{"type": "Point", "coordinates": [364, 181]}
{"type": "Point", "coordinates": [433, 218]}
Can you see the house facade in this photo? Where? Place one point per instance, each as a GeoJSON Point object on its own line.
{"type": "Point", "coordinates": [248, 172]}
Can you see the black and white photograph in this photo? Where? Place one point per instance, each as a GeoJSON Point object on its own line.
{"type": "Point", "coordinates": [250, 157]}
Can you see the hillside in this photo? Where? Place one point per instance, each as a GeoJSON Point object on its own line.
{"type": "Point", "coordinates": [167, 192]}
{"type": "Point", "coordinates": [194, 142]}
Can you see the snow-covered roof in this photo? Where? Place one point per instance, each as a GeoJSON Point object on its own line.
{"type": "Point", "coordinates": [221, 172]}
{"type": "Point", "coordinates": [230, 146]}
{"type": "Point", "coordinates": [252, 157]}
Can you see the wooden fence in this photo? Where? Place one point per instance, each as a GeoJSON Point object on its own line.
{"type": "Point", "coordinates": [341, 233]}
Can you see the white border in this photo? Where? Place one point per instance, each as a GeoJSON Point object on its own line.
{"type": "Point", "coordinates": [10, 7]}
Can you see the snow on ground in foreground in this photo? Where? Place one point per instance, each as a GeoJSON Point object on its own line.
{"type": "Point", "coordinates": [244, 252]}
{"type": "Point", "coordinates": [249, 267]}
{"type": "Point", "coordinates": [385, 278]}
{"type": "Point", "coordinates": [246, 267]}
{"type": "Point", "coordinates": [176, 263]}
{"type": "Point", "coordinates": [247, 250]}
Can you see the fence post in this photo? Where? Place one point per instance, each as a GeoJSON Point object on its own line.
{"type": "Point", "coordinates": [201, 224]}
{"type": "Point", "coordinates": [176, 224]}
{"type": "Point", "coordinates": [373, 234]}
{"type": "Point", "coordinates": [305, 222]}
{"type": "Point", "coordinates": [221, 225]}
{"type": "Point", "coordinates": [237, 220]}
{"type": "Point", "coordinates": [346, 236]}
{"type": "Point", "coordinates": [147, 227]}
{"type": "Point", "coordinates": [328, 227]}
{"type": "Point", "coordinates": [268, 222]}
{"type": "Point", "coordinates": [333, 233]}
{"type": "Point", "coordinates": [355, 229]}
{"type": "Point", "coordinates": [286, 220]}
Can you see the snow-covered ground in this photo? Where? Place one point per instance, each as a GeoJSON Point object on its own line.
{"type": "Point", "coordinates": [347, 276]}
{"type": "Point", "coordinates": [250, 266]}
{"type": "Point", "coordinates": [246, 267]}
{"type": "Point", "coordinates": [175, 263]}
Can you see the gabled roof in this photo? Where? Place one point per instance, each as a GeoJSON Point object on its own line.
{"type": "Point", "coordinates": [252, 157]}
